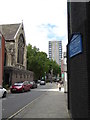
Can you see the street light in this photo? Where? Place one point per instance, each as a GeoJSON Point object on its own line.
{"type": "Point", "coordinates": [45, 76]}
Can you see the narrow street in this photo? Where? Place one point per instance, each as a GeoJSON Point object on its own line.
{"type": "Point", "coordinates": [46, 101]}
{"type": "Point", "coordinates": [14, 102]}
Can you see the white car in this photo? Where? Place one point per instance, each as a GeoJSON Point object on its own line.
{"type": "Point", "coordinates": [42, 82]}
{"type": "Point", "coordinates": [39, 81]}
{"type": "Point", "coordinates": [3, 92]}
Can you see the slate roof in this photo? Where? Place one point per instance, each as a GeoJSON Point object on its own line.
{"type": "Point", "coordinates": [9, 30]}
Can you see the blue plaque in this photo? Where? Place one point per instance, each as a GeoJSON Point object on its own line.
{"type": "Point", "coordinates": [75, 46]}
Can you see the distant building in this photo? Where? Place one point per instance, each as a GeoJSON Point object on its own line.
{"type": "Point", "coordinates": [55, 51]}
{"type": "Point", "coordinates": [15, 60]}
{"type": "Point", "coordinates": [64, 71]}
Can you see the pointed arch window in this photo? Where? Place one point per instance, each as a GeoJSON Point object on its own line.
{"type": "Point", "coordinates": [21, 45]}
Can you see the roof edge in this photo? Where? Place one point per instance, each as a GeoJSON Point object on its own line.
{"type": "Point", "coordinates": [18, 30]}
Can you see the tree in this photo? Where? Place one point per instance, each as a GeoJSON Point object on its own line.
{"type": "Point", "coordinates": [36, 61]}
{"type": "Point", "coordinates": [39, 63]}
{"type": "Point", "coordinates": [55, 67]}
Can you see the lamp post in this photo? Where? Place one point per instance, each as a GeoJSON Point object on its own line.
{"type": "Point", "coordinates": [45, 76]}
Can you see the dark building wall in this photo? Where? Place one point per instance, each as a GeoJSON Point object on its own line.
{"type": "Point", "coordinates": [22, 76]}
{"type": "Point", "coordinates": [12, 75]}
{"type": "Point", "coordinates": [78, 65]}
{"type": "Point", "coordinates": [88, 54]}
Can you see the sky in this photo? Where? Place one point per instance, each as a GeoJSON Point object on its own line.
{"type": "Point", "coordinates": [43, 20]}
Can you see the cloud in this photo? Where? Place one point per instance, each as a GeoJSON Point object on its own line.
{"type": "Point", "coordinates": [43, 20]}
{"type": "Point", "coordinates": [51, 31]}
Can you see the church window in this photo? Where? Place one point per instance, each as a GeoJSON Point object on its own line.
{"type": "Point", "coordinates": [21, 45]}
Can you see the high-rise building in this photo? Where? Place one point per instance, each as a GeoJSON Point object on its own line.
{"type": "Point", "coordinates": [55, 51]}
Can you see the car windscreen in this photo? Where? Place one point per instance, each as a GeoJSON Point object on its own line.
{"type": "Point", "coordinates": [18, 84]}
{"type": "Point", "coordinates": [42, 81]}
{"type": "Point", "coordinates": [31, 82]}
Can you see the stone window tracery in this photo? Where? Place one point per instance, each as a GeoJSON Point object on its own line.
{"type": "Point", "coordinates": [21, 45]}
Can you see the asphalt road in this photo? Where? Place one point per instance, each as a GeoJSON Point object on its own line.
{"type": "Point", "coordinates": [14, 102]}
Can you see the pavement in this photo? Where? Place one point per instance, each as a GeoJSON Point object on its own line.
{"type": "Point", "coordinates": [52, 104]}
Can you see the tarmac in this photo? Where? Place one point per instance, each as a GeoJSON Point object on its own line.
{"type": "Point", "coordinates": [52, 104]}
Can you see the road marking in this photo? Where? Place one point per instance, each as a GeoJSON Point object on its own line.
{"type": "Point", "coordinates": [23, 108]}
{"type": "Point", "coordinates": [45, 90]}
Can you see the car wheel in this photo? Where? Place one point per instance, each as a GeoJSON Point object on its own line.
{"type": "Point", "coordinates": [11, 91]}
{"type": "Point", "coordinates": [22, 90]}
{"type": "Point", "coordinates": [4, 94]}
{"type": "Point", "coordinates": [29, 89]}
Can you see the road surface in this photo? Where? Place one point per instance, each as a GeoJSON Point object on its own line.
{"type": "Point", "coordinates": [14, 102]}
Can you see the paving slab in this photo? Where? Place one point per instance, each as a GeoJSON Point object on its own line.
{"type": "Point", "coordinates": [52, 104]}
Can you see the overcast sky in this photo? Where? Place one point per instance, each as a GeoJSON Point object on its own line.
{"type": "Point", "coordinates": [44, 20]}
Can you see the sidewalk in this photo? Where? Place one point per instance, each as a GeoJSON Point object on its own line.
{"type": "Point", "coordinates": [49, 105]}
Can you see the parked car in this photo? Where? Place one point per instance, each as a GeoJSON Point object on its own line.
{"type": "Point", "coordinates": [20, 87]}
{"type": "Point", "coordinates": [38, 81]}
{"type": "Point", "coordinates": [3, 92]}
{"type": "Point", "coordinates": [42, 82]}
{"type": "Point", "coordinates": [33, 84]}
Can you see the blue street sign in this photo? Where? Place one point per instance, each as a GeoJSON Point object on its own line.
{"type": "Point", "coordinates": [75, 46]}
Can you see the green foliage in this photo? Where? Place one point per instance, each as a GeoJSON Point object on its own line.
{"type": "Point", "coordinates": [39, 63]}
